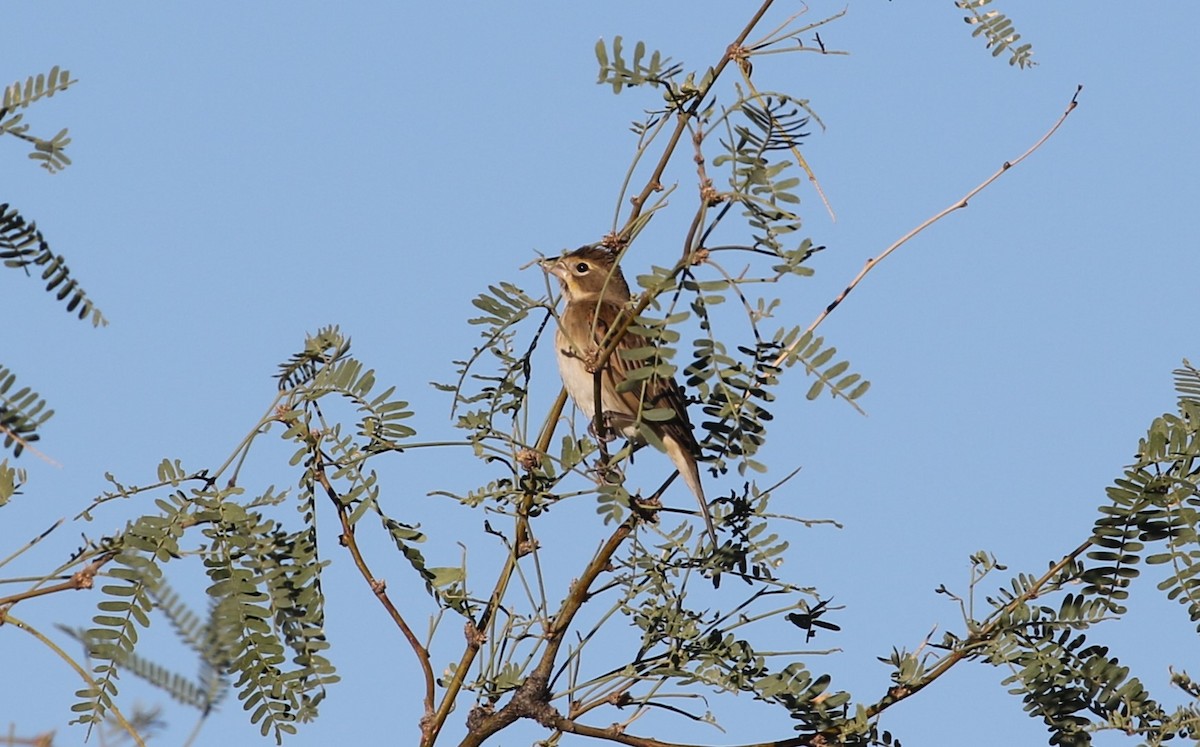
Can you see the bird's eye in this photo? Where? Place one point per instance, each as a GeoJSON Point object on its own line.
{"type": "Point", "coordinates": [582, 268]}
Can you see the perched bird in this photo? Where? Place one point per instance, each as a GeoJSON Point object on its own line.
{"type": "Point", "coordinates": [596, 293]}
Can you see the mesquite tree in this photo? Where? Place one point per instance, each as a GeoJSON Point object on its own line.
{"type": "Point", "coordinates": [605, 620]}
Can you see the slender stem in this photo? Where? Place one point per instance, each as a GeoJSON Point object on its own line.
{"type": "Point", "coordinates": [894, 696]}
{"type": "Point", "coordinates": [531, 699]}
{"type": "Point", "coordinates": [957, 205]}
{"type": "Point", "coordinates": [617, 735]}
{"type": "Point", "coordinates": [81, 579]}
{"type": "Point", "coordinates": [111, 707]}
{"type": "Point", "coordinates": [643, 146]}
{"type": "Point", "coordinates": [454, 686]}
{"type": "Point", "coordinates": [432, 726]}
{"type": "Point", "coordinates": [22, 443]}
{"type": "Point", "coordinates": [973, 641]}
{"type": "Point", "coordinates": [801, 161]}
{"type": "Point", "coordinates": [31, 543]}
{"type": "Point", "coordinates": [654, 182]}
{"type": "Point", "coordinates": [378, 586]}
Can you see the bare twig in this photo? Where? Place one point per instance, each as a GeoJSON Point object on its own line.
{"type": "Point", "coordinates": [614, 734]}
{"type": "Point", "coordinates": [111, 707]}
{"type": "Point", "coordinates": [532, 698]}
{"type": "Point", "coordinates": [431, 727]}
{"type": "Point", "coordinates": [957, 205]}
{"type": "Point", "coordinates": [31, 543]}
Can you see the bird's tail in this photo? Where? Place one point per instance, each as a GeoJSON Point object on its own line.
{"type": "Point", "coordinates": [690, 471]}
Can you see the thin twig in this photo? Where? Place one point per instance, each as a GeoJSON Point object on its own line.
{"type": "Point", "coordinates": [618, 736]}
{"type": "Point", "coordinates": [973, 641]}
{"type": "Point", "coordinates": [81, 579]}
{"type": "Point", "coordinates": [8, 432]}
{"type": "Point", "coordinates": [32, 542]}
{"type": "Point", "coordinates": [111, 707]}
{"type": "Point", "coordinates": [430, 728]}
{"type": "Point", "coordinates": [957, 205]}
{"type": "Point", "coordinates": [532, 699]}
{"type": "Point", "coordinates": [654, 182]}
{"type": "Point", "coordinates": [378, 586]}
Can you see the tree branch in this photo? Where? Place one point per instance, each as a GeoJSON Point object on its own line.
{"type": "Point", "coordinates": [532, 698]}
{"type": "Point", "coordinates": [973, 641]}
{"type": "Point", "coordinates": [431, 727]}
{"type": "Point", "coordinates": [653, 184]}
{"type": "Point", "coordinates": [378, 586]}
{"type": "Point", "coordinates": [81, 579]}
{"type": "Point", "coordinates": [958, 205]}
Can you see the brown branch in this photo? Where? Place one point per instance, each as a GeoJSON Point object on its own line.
{"type": "Point", "coordinates": [378, 586]}
{"type": "Point", "coordinates": [681, 124]}
{"type": "Point", "coordinates": [976, 639]}
{"type": "Point", "coordinates": [84, 578]}
{"type": "Point", "coordinates": [958, 205]}
{"type": "Point", "coordinates": [431, 727]}
{"type": "Point", "coordinates": [536, 682]}
{"type": "Point", "coordinates": [532, 698]}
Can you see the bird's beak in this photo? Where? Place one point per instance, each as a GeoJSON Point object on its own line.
{"type": "Point", "coordinates": [554, 266]}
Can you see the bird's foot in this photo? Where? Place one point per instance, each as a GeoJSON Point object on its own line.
{"type": "Point", "coordinates": [646, 508]}
{"type": "Point", "coordinates": [607, 432]}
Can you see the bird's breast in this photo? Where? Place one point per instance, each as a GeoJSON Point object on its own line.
{"type": "Point", "coordinates": [581, 385]}
{"type": "Point", "coordinates": [580, 382]}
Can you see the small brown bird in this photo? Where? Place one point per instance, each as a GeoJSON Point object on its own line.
{"type": "Point", "coordinates": [596, 293]}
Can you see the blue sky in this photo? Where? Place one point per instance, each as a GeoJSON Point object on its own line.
{"type": "Point", "coordinates": [245, 175]}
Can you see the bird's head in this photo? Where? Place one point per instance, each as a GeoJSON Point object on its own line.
{"type": "Point", "coordinates": [589, 274]}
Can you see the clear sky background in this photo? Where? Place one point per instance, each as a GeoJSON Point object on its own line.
{"type": "Point", "coordinates": [246, 173]}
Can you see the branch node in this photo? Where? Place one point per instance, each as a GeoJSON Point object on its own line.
{"type": "Point", "coordinates": [475, 637]}
{"type": "Point", "coordinates": [479, 715]}
{"type": "Point", "coordinates": [532, 700]}
{"type": "Point", "coordinates": [527, 546]}
{"type": "Point", "coordinates": [529, 459]}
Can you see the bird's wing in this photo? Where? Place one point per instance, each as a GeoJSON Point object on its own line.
{"type": "Point", "coordinates": [643, 394]}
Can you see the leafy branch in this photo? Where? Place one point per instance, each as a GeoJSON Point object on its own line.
{"type": "Point", "coordinates": [22, 413]}
{"type": "Point", "coordinates": [50, 153]}
{"type": "Point", "coordinates": [22, 246]}
{"type": "Point", "coordinates": [998, 30]}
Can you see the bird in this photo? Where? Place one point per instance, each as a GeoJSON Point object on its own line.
{"type": "Point", "coordinates": [596, 293]}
